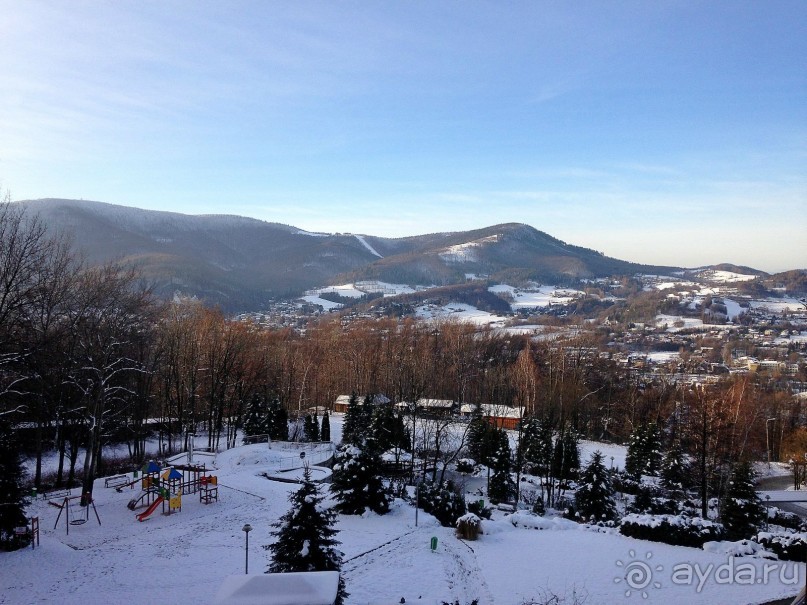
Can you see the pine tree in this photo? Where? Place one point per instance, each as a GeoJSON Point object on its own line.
{"type": "Point", "coordinates": [634, 460]}
{"type": "Point", "coordinates": [675, 468]}
{"type": "Point", "coordinates": [644, 451]}
{"type": "Point", "coordinates": [277, 422]}
{"type": "Point", "coordinates": [351, 429]}
{"type": "Point", "coordinates": [501, 485]}
{"type": "Point", "coordinates": [595, 496]}
{"type": "Point", "coordinates": [356, 481]}
{"type": "Point", "coordinates": [325, 429]}
{"type": "Point", "coordinates": [310, 428]}
{"type": "Point", "coordinates": [652, 450]}
{"type": "Point", "coordinates": [536, 446]}
{"type": "Point", "coordinates": [743, 511]}
{"type": "Point", "coordinates": [305, 536]}
{"type": "Point", "coordinates": [477, 439]}
{"type": "Point", "coordinates": [566, 455]}
{"type": "Point", "coordinates": [255, 421]}
{"type": "Point", "coordinates": [12, 496]}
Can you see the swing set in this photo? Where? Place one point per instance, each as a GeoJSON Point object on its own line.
{"type": "Point", "coordinates": [68, 503]}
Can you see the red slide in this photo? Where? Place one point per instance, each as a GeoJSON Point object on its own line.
{"type": "Point", "coordinates": [145, 514]}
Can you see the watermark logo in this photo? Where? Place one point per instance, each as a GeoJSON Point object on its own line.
{"type": "Point", "coordinates": [638, 574]}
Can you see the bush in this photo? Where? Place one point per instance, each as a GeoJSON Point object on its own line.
{"type": "Point", "coordinates": [786, 519]}
{"type": "Point", "coordinates": [465, 465]}
{"type": "Point", "coordinates": [678, 530]}
{"type": "Point", "coordinates": [443, 501]}
{"type": "Point", "coordinates": [469, 526]}
{"type": "Point", "coordinates": [788, 547]}
{"type": "Point", "coordinates": [625, 484]}
{"type": "Point", "coordinates": [480, 510]}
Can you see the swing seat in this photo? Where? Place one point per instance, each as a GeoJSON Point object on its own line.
{"type": "Point", "coordinates": [78, 521]}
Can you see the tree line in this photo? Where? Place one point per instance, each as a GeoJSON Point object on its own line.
{"type": "Point", "coordinates": [89, 357]}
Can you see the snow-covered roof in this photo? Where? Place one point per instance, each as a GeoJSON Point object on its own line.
{"type": "Point", "coordinates": [300, 588]}
{"type": "Point", "coordinates": [492, 411]}
{"type": "Point", "coordinates": [378, 399]}
{"type": "Point", "coordinates": [428, 403]}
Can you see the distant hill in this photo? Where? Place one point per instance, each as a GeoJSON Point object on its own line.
{"type": "Point", "coordinates": [239, 263]}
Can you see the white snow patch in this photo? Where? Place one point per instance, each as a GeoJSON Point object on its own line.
{"type": "Point", "coordinates": [368, 246]}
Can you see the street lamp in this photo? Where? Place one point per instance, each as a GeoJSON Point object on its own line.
{"type": "Point", "coordinates": [767, 440]}
{"type": "Point", "coordinates": [246, 529]}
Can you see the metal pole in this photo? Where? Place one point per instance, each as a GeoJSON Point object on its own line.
{"type": "Point", "coordinates": [246, 529]}
{"type": "Point", "coordinates": [417, 502]}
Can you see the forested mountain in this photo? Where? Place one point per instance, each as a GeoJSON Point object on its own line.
{"type": "Point", "coordinates": [239, 263]}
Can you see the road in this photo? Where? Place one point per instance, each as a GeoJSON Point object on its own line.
{"type": "Point", "coordinates": [780, 483]}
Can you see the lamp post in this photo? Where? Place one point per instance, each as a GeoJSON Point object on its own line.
{"type": "Point", "coordinates": [246, 529]}
{"type": "Point", "coordinates": [767, 440]}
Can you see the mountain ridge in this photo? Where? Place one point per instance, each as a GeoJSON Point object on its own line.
{"type": "Point", "coordinates": [240, 262]}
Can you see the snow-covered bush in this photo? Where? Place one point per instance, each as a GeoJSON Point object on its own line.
{"type": "Point", "coordinates": [678, 530]}
{"type": "Point", "coordinates": [649, 500]}
{"type": "Point", "coordinates": [478, 508]}
{"type": "Point", "coordinates": [783, 518]}
{"type": "Point", "coordinates": [469, 526]}
{"type": "Point", "coordinates": [787, 546]}
{"type": "Point", "coordinates": [443, 501]}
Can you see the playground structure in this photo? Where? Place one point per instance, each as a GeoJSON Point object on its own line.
{"type": "Point", "coordinates": [161, 486]}
{"type": "Point", "coordinates": [69, 503]}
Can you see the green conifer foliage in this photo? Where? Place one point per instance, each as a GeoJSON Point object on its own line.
{"type": "Point", "coordinates": [305, 536]}
{"type": "Point", "coordinates": [595, 495]}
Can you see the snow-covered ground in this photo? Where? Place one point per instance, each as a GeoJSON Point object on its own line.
{"type": "Point", "coordinates": [459, 312]}
{"type": "Point", "coordinates": [185, 557]}
{"type": "Point", "coordinates": [539, 296]}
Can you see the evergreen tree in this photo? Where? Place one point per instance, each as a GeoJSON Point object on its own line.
{"type": "Point", "coordinates": [675, 468]}
{"type": "Point", "coordinates": [482, 441]}
{"type": "Point", "coordinates": [595, 495]}
{"type": "Point", "coordinates": [743, 511]}
{"type": "Point", "coordinates": [566, 455]}
{"type": "Point", "coordinates": [305, 536]}
{"type": "Point", "coordinates": [310, 428]}
{"type": "Point", "coordinates": [536, 446]}
{"type": "Point", "coordinates": [634, 463]}
{"type": "Point", "coordinates": [277, 422]}
{"type": "Point", "coordinates": [644, 451]}
{"type": "Point", "coordinates": [12, 496]}
{"type": "Point", "coordinates": [351, 429]}
{"type": "Point", "coordinates": [382, 427]}
{"type": "Point", "coordinates": [256, 416]}
{"type": "Point", "coordinates": [652, 450]}
{"type": "Point", "coordinates": [325, 429]}
{"type": "Point", "coordinates": [356, 480]}
{"type": "Point", "coordinates": [501, 486]}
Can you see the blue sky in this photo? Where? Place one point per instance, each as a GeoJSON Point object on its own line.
{"type": "Point", "coordinates": [657, 132]}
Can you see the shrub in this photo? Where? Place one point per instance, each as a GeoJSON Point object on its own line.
{"type": "Point", "coordinates": [478, 508]}
{"type": "Point", "coordinates": [469, 526]}
{"type": "Point", "coordinates": [786, 519]}
{"type": "Point", "coordinates": [443, 501]}
{"type": "Point", "coordinates": [788, 547]}
{"type": "Point", "coordinates": [465, 465]}
{"type": "Point", "coordinates": [678, 530]}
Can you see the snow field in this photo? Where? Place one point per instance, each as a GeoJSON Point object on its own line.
{"type": "Point", "coordinates": [183, 558]}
